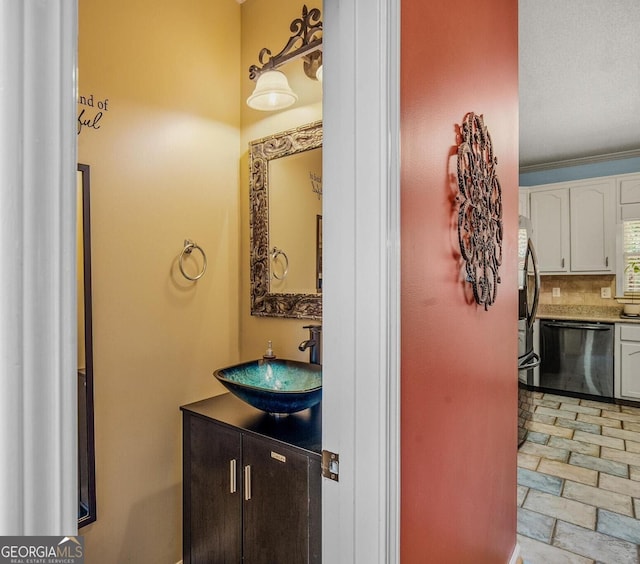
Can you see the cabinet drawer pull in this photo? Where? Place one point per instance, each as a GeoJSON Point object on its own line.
{"type": "Point", "coordinates": [247, 483]}
{"type": "Point", "coordinates": [562, 265]}
{"type": "Point", "coordinates": [606, 262]}
{"type": "Point", "coordinates": [233, 487]}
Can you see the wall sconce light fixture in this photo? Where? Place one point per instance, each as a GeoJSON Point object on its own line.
{"type": "Point", "coordinates": [272, 91]}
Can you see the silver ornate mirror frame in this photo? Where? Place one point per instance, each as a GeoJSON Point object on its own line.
{"type": "Point", "coordinates": [261, 152]}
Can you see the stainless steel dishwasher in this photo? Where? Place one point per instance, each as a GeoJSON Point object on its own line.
{"type": "Point", "coordinates": [577, 358]}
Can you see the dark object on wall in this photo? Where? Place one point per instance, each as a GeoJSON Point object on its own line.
{"type": "Point", "coordinates": [86, 444]}
{"type": "Point", "coordinates": [480, 214]}
{"type": "Point", "coordinates": [319, 253]}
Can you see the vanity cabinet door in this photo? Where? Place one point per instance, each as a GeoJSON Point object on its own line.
{"type": "Point", "coordinates": [212, 493]}
{"type": "Point", "coordinates": [281, 520]}
{"type": "Point", "coordinates": [248, 499]}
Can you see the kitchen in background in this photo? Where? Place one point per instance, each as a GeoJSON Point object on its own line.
{"type": "Point", "coordinates": [587, 333]}
{"type": "Point", "coordinates": [579, 179]}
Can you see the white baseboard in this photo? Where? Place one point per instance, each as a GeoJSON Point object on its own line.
{"type": "Point", "coordinates": [515, 555]}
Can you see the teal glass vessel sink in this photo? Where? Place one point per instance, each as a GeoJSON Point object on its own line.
{"type": "Point", "coordinates": [274, 385]}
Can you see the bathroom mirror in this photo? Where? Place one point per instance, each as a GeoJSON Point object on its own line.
{"type": "Point", "coordinates": [285, 181]}
{"type": "Point", "coordinates": [86, 451]}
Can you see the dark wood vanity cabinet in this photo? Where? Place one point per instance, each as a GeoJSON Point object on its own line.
{"type": "Point", "coordinates": [211, 512]}
{"type": "Point", "coordinates": [248, 496]}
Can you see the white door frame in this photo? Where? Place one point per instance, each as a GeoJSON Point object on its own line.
{"type": "Point", "coordinates": [361, 319]}
{"type": "Point", "coordinates": [38, 354]}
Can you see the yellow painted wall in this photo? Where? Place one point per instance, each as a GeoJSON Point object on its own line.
{"type": "Point", "coordinates": [164, 167]}
{"type": "Point", "coordinates": [168, 157]}
{"type": "Point", "coordinates": [266, 24]}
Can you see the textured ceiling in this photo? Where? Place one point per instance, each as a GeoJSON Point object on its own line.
{"type": "Point", "coordinates": [579, 79]}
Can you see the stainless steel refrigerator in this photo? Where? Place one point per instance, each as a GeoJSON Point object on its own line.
{"type": "Point", "coordinates": [528, 295]}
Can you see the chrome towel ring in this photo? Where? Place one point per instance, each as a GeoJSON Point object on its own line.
{"type": "Point", "coordinates": [275, 253]}
{"type": "Point", "coordinates": [188, 247]}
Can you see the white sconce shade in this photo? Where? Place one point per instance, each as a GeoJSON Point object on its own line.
{"type": "Point", "coordinates": [319, 74]}
{"type": "Point", "coordinates": [272, 92]}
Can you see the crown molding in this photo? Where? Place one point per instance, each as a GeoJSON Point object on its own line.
{"type": "Point", "coordinates": [633, 153]}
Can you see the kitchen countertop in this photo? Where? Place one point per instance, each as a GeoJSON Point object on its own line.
{"type": "Point", "coordinates": [584, 313]}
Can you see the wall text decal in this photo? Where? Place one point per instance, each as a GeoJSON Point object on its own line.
{"type": "Point", "coordinates": [316, 184]}
{"type": "Point", "coordinates": [91, 112]}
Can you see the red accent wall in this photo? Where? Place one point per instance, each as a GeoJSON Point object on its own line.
{"type": "Point", "coordinates": [459, 379]}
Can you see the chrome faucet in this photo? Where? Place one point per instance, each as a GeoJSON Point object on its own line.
{"type": "Point", "coordinates": [313, 343]}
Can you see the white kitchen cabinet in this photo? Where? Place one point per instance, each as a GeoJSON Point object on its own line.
{"type": "Point", "coordinates": [629, 189]}
{"type": "Point", "coordinates": [523, 202]}
{"type": "Point", "coordinates": [628, 197]}
{"type": "Point", "coordinates": [550, 223]}
{"type": "Point", "coordinates": [627, 361]}
{"type": "Point", "coordinates": [592, 211]}
{"type": "Point", "coordinates": [574, 226]}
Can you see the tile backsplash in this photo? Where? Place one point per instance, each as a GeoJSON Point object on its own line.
{"type": "Point", "coordinates": [578, 290]}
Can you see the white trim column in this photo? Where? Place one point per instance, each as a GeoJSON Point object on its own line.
{"type": "Point", "coordinates": [361, 319]}
{"type": "Point", "coordinates": [38, 411]}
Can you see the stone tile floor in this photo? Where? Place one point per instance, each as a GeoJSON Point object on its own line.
{"type": "Point", "coordinates": [579, 483]}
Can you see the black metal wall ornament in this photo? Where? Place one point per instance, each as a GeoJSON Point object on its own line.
{"type": "Point", "coordinates": [480, 213]}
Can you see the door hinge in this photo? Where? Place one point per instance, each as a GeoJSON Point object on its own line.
{"type": "Point", "coordinates": [330, 465]}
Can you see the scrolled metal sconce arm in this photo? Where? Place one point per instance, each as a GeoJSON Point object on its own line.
{"type": "Point", "coordinates": [306, 40]}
